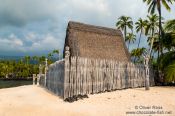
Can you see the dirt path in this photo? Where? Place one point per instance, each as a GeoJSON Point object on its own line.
{"type": "Point", "coordinates": [36, 101]}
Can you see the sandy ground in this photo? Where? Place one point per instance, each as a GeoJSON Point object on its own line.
{"type": "Point", "coordinates": [36, 101]}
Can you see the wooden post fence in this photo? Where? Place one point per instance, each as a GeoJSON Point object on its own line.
{"type": "Point", "coordinates": [75, 76]}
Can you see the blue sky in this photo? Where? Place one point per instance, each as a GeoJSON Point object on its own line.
{"type": "Point", "coordinates": [36, 27]}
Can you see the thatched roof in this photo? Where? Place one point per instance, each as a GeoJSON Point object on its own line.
{"type": "Point", "coordinates": [96, 42]}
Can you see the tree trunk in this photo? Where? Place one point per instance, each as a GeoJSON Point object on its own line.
{"type": "Point", "coordinates": [139, 39]}
{"type": "Point", "coordinates": [152, 42]}
{"type": "Point", "coordinates": [150, 52]}
{"type": "Point", "coordinates": [160, 34]}
{"type": "Point", "coordinates": [138, 43]}
{"type": "Point", "coordinates": [125, 32]}
{"type": "Point", "coordinates": [160, 30]}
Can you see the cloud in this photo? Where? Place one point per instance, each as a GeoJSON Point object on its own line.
{"type": "Point", "coordinates": [12, 43]}
{"type": "Point", "coordinates": [18, 42]}
{"type": "Point", "coordinates": [47, 43]}
{"type": "Point", "coordinates": [21, 12]}
{"type": "Point", "coordinates": [15, 41]}
{"type": "Point", "coordinates": [35, 26]}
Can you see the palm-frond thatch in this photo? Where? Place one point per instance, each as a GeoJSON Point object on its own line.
{"type": "Point", "coordinates": [96, 42]}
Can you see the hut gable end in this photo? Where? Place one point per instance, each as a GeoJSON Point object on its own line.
{"type": "Point", "coordinates": [96, 42]}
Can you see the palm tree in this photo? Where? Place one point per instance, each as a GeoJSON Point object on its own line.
{"type": "Point", "coordinates": [169, 38]}
{"type": "Point", "coordinates": [134, 54]}
{"type": "Point", "coordinates": [170, 26]}
{"type": "Point", "coordinates": [42, 59]}
{"type": "Point", "coordinates": [169, 41]}
{"type": "Point", "coordinates": [153, 4]}
{"type": "Point", "coordinates": [130, 38]}
{"type": "Point", "coordinates": [36, 59]}
{"type": "Point", "coordinates": [170, 73]}
{"type": "Point", "coordinates": [151, 24]}
{"type": "Point", "coordinates": [140, 25]}
{"type": "Point", "coordinates": [153, 42]}
{"type": "Point", "coordinates": [151, 27]}
{"type": "Point", "coordinates": [56, 52]}
{"type": "Point", "coordinates": [5, 70]}
{"type": "Point", "coordinates": [124, 23]}
{"type": "Point", "coordinates": [27, 59]}
{"type": "Point", "coordinates": [167, 64]}
{"type": "Point", "coordinates": [137, 53]}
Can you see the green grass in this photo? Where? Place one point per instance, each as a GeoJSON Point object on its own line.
{"type": "Point", "coordinates": [13, 83]}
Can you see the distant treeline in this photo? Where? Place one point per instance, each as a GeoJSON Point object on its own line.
{"type": "Point", "coordinates": [25, 67]}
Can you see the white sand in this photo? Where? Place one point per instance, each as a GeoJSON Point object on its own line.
{"type": "Point", "coordinates": [36, 101]}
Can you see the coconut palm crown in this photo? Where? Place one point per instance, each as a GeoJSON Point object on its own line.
{"type": "Point", "coordinates": [153, 4]}
{"type": "Point", "coordinates": [140, 26]}
{"type": "Point", "coordinates": [125, 23]}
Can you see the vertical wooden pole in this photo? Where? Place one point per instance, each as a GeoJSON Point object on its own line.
{"type": "Point", "coordinates": [66, 75]}
{"type": "Point", "coordinates": [33, 79]}
{"type": "Point", "coordinates": [146, 62]}
{"type": "Point", "coordinates": [39, 76]}
{"type": "Point", "coordinates": [46, 68]}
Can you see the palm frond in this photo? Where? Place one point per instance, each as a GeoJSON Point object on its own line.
{"type": "Point", "coordinates": [170, 73]}
{"type": "Point", "coordinates": [166, 59]}
{"type": "Point", "coordinates": [170, 25]}
{"type": "Point", "coordinates": [165, 4]}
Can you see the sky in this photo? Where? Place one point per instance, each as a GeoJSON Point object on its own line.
{"type": "Point", "coordinates": [36, 27]}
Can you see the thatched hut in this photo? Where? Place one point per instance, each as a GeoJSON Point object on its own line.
{"type": "Point", "coordinates": [84, 74]}
{"type": "Point", "coordinates": [96, 42]}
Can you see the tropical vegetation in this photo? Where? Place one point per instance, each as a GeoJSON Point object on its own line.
{"type": "Point", "coordinates": [124, 24]}
{"type": "Point", "coordinates": [160, 35]}
{"type": "Point", "coordinates": [25, 67]}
